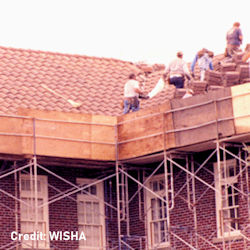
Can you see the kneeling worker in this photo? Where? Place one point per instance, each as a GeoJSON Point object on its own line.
{"type": "Point", "coordinates": [132, 90]}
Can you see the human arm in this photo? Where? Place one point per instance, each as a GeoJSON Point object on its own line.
{"type": "Point", "coordinates": [194, 62]}
{"type": "Point", "coordinates": [138, 87]}
{"type": "Point", "coordinates": [211, 66]}
{"type": "Point", "coordinates": [240, 36]}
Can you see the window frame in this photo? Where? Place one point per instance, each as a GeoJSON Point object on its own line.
{"type": "Point", "coordinates": [230, 181]}
{"type": "Point", "coordinates": [99, 198]}
{"type": "Point", "coordinates": [149, 221]}
{"type": "Point", "coordinates": [43, 195]}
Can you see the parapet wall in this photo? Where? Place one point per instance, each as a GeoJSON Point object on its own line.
{"type": "Point", "coordinates": [58, 134]}
{"type": "Point", "coordinates": [145, 132]}
{"type": "Point", "coordinates": [174, 124]}
{"type": "Point", "coordinates": [203, 117]}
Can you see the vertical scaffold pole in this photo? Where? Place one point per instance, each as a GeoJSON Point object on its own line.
{"type": "Point", "coordinates": [167, 193]}
{"type": "Point", "coordinates": [35, 179]}
{"type": "Point", "coordinates": [247, 177]}
{"type": "Point", "coordinates": [194, 201]}
{"type": "Point", "coordinates": [220, 191]}
{"type": "Point", "coordinates": [166, 176]}
{"type": "Point", "coordinates": [16, 202]}
{"type": "Point", "coordinates": [117, 189]}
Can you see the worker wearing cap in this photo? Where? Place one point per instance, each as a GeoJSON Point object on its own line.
{"type": "Point", "coordinates": [177, 70]}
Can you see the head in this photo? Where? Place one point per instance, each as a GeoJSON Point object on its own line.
{"type": "Point", "coordinates": [179, 54]}
{"type": "Point", "coordinates": [132, 76]}
{"type": "Point", "coordinates": [237, 24]}
{"type": "Point", "coordinates": [210, 54]}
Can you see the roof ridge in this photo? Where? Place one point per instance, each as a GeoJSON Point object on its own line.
{"type": "Point", "coordinates": [65, 54]}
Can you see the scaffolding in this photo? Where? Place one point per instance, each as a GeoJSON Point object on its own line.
{"type": "Point", "coordinates": [166, 162]}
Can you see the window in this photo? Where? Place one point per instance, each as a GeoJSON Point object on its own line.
{"type": "Point", "coordinates": [28, 210]}
{"type": "Point", "coordinates": [91, 217]}
{"type": "Point", "coordinates": [157, 220]}
{"type": "Point", "coordinates": [227, 199]}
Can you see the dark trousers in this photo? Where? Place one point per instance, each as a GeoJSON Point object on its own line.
{"type": "Point", "coordinates": [178, 81]}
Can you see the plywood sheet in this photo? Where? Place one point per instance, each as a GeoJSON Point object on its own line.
{"type": "Point", "coordinates": [142, 132]}
{"type": "Point", "coordinates": [241, 107]}
{"type": "Point", "coordinates": [72, 135]}
{"type": "Point", "coordinates": [12, 132]}
{"type": "Point", "coordinates": [194, 124]}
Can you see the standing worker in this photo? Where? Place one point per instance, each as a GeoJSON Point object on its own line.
{"type": "Point", "coordinates": [204, 59]}
{"type": "Point", "coordinates": [234, 39]}
{"type": "Point", "coordinates": [177, 71]}
{"type": "Point", "coordinates": [132, 90]}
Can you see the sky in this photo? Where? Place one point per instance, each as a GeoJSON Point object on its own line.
{"type": "Point", "coordinates": [150, 31]}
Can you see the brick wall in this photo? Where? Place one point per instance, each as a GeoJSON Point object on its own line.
{"type": "Point", "coordinates": [7, 210]}
{"type": "Point", "coordinates": [182, 217]}
{"type": "Point", "coordinates": [63, 213]}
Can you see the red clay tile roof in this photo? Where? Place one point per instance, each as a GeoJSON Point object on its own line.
{"type": "Point", "coordinates": [95, 82]}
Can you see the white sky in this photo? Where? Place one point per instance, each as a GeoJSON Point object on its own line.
{"type": "Point", "coordinates": [133, 30]}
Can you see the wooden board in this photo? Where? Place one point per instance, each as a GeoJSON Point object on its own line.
{"type": "Point", "coordinates": [241, 107]}
{"type": "Point", "coordinates": [198, 123]}
{"type": "Point", "coordinates": [142, 132]}
{"type": "Point", "coordinates": [72, 135]}
{"type": "Point", "coordinates": [105, 135]}
{"type": "Point", "coordinates": [12, 132]}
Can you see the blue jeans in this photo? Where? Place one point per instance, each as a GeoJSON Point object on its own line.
{"type": "Point", "coordinates": [177, 81]}
{"type": "Point", "coordinates": [130, 106]}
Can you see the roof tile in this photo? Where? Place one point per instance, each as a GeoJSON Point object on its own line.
{"type": "Point", "coordinates": [96, 82]}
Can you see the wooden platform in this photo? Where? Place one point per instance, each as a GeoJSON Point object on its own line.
{"type": "Point", "coordinates": [192, 124]}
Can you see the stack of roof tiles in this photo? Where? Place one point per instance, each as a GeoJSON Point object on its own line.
{"type": "Point", "coordinates": [227, 72]}
{"type": "Point", "coordinates": [237, 57]}
{"type": "Point", "coordinates": [179, 93]}
{"type": "Point", "coordinates": [213, 77]}
{"type": "Point", "coordinates": [244, 72]}
{"type": "Point", "coordinates": [225, 67]}
{"type": "Point", "coordinates": [199, 86]}
{"type": "Point", "coordinates": [231, 78]}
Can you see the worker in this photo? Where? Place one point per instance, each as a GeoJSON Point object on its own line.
{"type": "Point", "coordinates": [132, 90]}
{"type": "Point", "coordinates": [178, 70]}
{"type": "Point", "coordinates": [204, 59]}
{"type": "Point", "coordinates": [234, 40]}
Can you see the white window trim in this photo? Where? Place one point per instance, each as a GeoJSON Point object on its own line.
{"type": "Point", "coordinates": [218, 199]}
{"type": "Point", "coordinates": [99, 198]}
{"type": "Point", "coordinates": [148, 197]}
{"type": "Point", "coordinates": [40, 195]}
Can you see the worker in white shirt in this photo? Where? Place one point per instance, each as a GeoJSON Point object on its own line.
{"type": "Point", "coordinates": [178, 70]}
{"type": "Point", "coordinates": [132, 90]}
